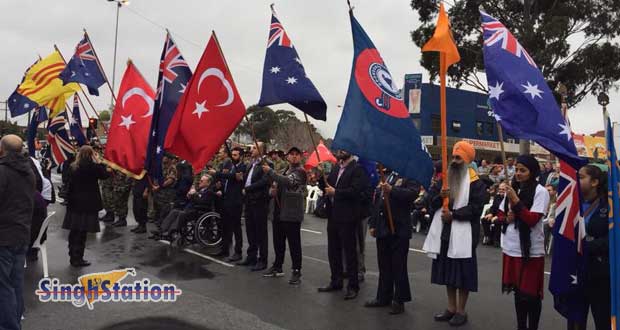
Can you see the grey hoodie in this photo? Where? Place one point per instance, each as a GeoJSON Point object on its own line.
{"type": "Point", "coordinates": [17, 190]}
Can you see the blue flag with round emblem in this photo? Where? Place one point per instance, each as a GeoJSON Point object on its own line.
{"type": "Point", "coordinates": [375, 123]}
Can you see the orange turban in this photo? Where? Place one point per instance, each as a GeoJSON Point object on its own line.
{"type": "Point", "coordinates": [465, 150]}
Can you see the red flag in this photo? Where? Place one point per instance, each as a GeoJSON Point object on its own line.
{"type": "Point", "coordinates": [324, 154]}
{"type": "Point", "coordinates": [130, 124]}
{"type": "Point", "coordinates": [208, 112]}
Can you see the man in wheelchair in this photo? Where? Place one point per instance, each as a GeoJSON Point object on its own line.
{"type": "Point", "coordinates": [199, 201]}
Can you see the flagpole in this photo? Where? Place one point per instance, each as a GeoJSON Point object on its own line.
{"type": "Point", "coordinates": [444, 128]}
{"type": "Point", "coordinates": [100, 66]}
{"type": "Point", "coordinates": [500, 134]}
{"type": "Point", "coordinates": [316, 150]}
{"type": "Point", "coordinates": [386, 201]}
{"type": "Point", "coordinates": [82, 90]}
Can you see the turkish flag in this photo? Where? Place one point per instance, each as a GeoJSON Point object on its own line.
{"type": "Point", "coordinates": [131, 121]}
{"type": "Point", "coordinates": [324, 154]}
{"type": "Point", "coordinates": [208, 112]}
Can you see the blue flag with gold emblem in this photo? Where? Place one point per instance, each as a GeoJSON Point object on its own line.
{"type": "Point", "coordinates": [614, 225]}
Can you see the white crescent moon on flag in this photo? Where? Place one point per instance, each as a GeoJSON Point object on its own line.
{"type": "Point", "coordinates": [140, 92]}
{"type": "Point", "coordinates": [220, 75]}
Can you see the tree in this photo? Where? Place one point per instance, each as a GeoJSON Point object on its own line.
{"type": "Point", "coordinates": [570, 40]}
{"type": "Point", "coordinates": [12, 128]}
{"type": "Point", "coordinates": [104, 116]}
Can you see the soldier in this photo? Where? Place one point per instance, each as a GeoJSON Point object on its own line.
{"type": "Point", "coordinates": [164, 192]}
{"type": "Point", "coordinates": [122, 187]}
{"type": "Point", "coordinates": [279, 164]}
{"type": "Point", "coordinates": [107, 197]}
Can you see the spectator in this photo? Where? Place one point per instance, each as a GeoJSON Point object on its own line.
{"type": "Point", "coordinates": [550, 215]}
{"type": "Point", "coordinates": [496, 175]}
{"type": "Point", "coordinates": [17, 191]}
{"type": "Point", "coordinates": [484, 167]}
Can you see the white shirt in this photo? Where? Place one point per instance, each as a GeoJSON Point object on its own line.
{"type": "Point", "coordinates": [46, 192]}
{"type": "Point", "coordinates": [511, 244]}
{"type": "Point", "coordinates": [248, 181]}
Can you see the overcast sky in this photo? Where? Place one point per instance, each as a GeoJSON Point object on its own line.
{"type": "Point", "coordinates": [319, 29]}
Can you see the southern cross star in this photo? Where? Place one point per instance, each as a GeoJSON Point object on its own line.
{"type": "Point", "coordinates": [275, 69]}
{"type": "Point", "coordinates": [532, 90]}
{"type": "Point", "coordinates": [496, 91]}
{"type": "Point", "coordinates": [291, 80]}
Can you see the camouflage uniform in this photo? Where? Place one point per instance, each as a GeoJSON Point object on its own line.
{"type": "Point", "coordinates": [107, 195]}
{"type": "Point", "coordinates": [280, 165]}
{"type": "Point", "coordinates": [122, 187]}
{"type": "Point", "coordinates": [163, 198]}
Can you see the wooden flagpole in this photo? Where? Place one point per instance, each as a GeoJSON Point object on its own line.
{"type": "Point", "coordinates": [444, 128]}
{"type": "Point", "coordinates": [386, 201]}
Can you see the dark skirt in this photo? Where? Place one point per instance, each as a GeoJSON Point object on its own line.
{"type": "Point", "coordinates": [528, 278]}
{"type": "Point", "coordinates": [88, 221]}
{"type": "Point", "coordinates": [455, 273]}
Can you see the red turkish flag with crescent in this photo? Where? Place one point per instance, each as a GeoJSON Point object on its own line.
{"type": "Point", "coordinates": [324, 154]}
{"type": "Point", "coordinates": [131, 121]}
{"type": "Point", "coordinates": [208, 112]}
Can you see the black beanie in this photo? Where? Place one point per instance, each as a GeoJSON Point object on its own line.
{"type": "Point", "coordinates": [531, 163]}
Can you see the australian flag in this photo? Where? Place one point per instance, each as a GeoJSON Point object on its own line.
{"type": "Point", "coordinates": [526, 108]}
{"type": "Point", "coordinates": [39, 116]}
{"type": "Point", "coordinates": [84, 68]}
{"type": "Point", "coordinates": [284, 77]}
{"type": "Point", "coordinates": [375, 123]}
{"type": "Point", "coordinates": [75, 123]}
{"type": "Point", "coordinates": [174, 73]}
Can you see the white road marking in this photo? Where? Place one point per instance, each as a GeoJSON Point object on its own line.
{"type": "Point", "coordinates": [311, 231]}
{"type": "Point", "coordinates": [202, 255]}
{"type": "Point", "coordinates": [317, 260]}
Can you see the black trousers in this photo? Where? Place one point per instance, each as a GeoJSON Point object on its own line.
{"type": "Point", "coordinates": [256, 230]}
{"type": "Point", "coordinates": [283, 231]}
{"type": "Point", "coordinates": [599, 301]}
{"type": "Point", "coordinates": [392, 252]}
{"type": "Point", "coordinates": [341, 236]}
{"type": "Point", "coordinates": [231, 215]}
{"type": "Point", "coordinates": [140, 209]}
{"type": "Point", "coordinates": [77, 244]}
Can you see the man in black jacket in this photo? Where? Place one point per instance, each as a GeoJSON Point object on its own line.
{"type": "Point", "coordinates": [230, 175]}
{"type": "Point", "coordinates": [344, 188]}
{"type": "Point", "coordinates": [393, 247]}
{"type": "Point", "coordinates": [17, 191]}
{"type": "Point", "coordinates": [256, 191]}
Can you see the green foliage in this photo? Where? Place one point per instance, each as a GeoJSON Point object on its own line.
{"type": "Point", "coordinates": [12, 128]}
{"type": "Point", "coordinates": [571, 41]}
{"type": "Point", "coordinates": [104, 115]}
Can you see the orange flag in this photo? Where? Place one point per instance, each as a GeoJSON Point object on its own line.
{"type": "Point", "coordinates": [442, 40]}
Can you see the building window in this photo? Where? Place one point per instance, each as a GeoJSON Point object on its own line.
{"type": "Point", "coordinates": [456, 125]}
{"type": "Point", "coordinates": [489, 128]}
{"type": "Point", "coordinates": [436, 124]}
{"type": "Point", "coordinates": [479, 128]}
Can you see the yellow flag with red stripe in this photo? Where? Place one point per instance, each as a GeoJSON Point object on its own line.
{"type": "Point", "coordinates": [43, 86]}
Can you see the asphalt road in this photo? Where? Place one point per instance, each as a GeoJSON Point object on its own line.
{"type": "Point", "coordinates": [220, 296]}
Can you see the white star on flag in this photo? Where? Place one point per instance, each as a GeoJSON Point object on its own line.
{"type": "Point", "coordinates": [26, 106]}
{"type": "Point", "coordinates": [200, 108]}
{"type": "Point", "coordinates": [72, 73]}
{"type": "Point", "coordinates": [127, 121]}
{"type": "Point", "coordinates": [275, 69]}
{"type": "Point", "coordinates": [532, 90]}
{"type": "Point", "coordinates": [496, 91]}
{"type": "Point", "coordinates": [182, 89]}
{"type": "Point", "coordinates": [566, 131]}
{"type": "Point", "coordinates": [158, 150]}
{"type": "Point", "coordinates": [574, 277]}
{"type": "Point", "coordinates": [297, 60]}
{"type": "Point", "coordinates": [291, 80]}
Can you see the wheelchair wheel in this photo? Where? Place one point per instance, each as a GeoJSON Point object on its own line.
{"type": "Point", "coordinates": [208, 230]}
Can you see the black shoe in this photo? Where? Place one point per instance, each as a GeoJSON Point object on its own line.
{"type": "Point", "coordinates": [375, 303]}
{"type": "Point", "coordinates": [80, 263]}
{"type": "Point", "coordinates": [139, 230]}
{"type": "Point", "coordinates": [458, 320]}
{"type": "Point", "coordinates": [444, 316]}
{"type": "Point", "coordinates": [234, 257]}
{"type": "Point", "coordinates": [397, 308]}
{"type": "Point", "coordinates": [109, 217]}
{"type": "Point", "coordinates": [330, 288]}
{"type": "Point", "coordinates": [247, 262]}
{"type": "Point", "coordinates": [295, 277]}
{"type": "Point", "coordinates": [259, 267]}
{"type": "Point", "coordinates": [120, 223]}
{"type": "Point", "coordinates": [350, 294]}
{"type": "Point", "coordinates": [274, 272]}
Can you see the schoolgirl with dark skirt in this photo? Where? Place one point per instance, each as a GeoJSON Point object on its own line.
{"type": "Point", "coordinates": [522, 242]}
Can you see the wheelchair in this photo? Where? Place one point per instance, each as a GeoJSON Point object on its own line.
{"type": "Point", "coordinates": [203, 227]}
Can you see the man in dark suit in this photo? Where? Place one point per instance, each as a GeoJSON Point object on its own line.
{"type": "Point", "coordinates": [344, 189]}
{"type": "Point", "coordinates": [230, 175]}
{"type": "Point", "coordinates": [393, 247]}
{"type": "Point", "coordinates": [256, 191]}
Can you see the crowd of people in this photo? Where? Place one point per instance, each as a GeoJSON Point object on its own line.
{"type": "Point", "coordinates": [510, 206]}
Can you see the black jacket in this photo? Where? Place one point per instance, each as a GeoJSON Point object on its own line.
{"type": "Point", "coordinates": [291, 190]}
{"type": "Point", "coordinates": [478, 196]}
{"type": "Point", "coordinates": [17, 191]}
{"type": "Point", "coordinates": [203, 200]}
{"type": "Point", "coordinates": [346, 205]}
{"type": "Point", "coordinates": [597, 245]}
{"type": "Point", "coordinates": [230, 185]}
{"type": "Point", "coordinates": [84, 195]}
{"type": "Point", "coordinates": [258, 190]}
{"type": "Point", "coordinates": [404, 193]}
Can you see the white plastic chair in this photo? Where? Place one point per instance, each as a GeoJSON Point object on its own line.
{"type": "Point", "coordinates": [313, 196]}
{"type": "Point", "coordinates": [42, 246]}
